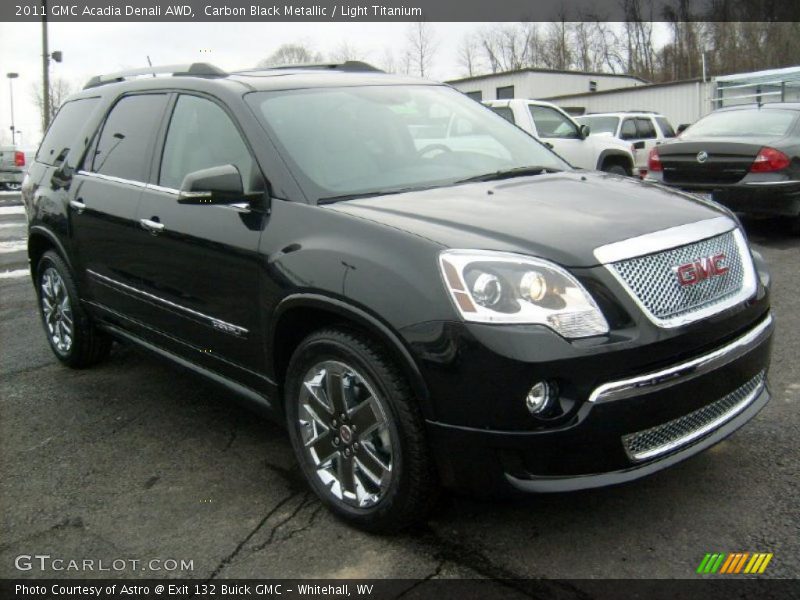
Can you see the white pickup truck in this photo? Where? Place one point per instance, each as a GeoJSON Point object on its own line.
{"type": "Point", "coordinates": [555, 128]}
{"type": "Point", "coordinates": [13, 163]}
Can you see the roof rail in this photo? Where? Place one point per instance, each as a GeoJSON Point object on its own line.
{"type": "Point", "coordinates": [192, 70]}
{"type": "Point", "coordinates": [355, 66]}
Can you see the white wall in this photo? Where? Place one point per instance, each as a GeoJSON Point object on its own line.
{"type": "Point", "coordinates": [538, 85]}
{"type": "Point", "coordinates": [680, 102]}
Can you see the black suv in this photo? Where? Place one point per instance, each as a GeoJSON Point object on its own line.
{"type": "Point", "coordinates": [423, 293]}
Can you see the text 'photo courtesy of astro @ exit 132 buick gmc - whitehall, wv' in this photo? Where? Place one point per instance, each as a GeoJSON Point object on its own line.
{"type": "Point", "coordinates": [420, 314]}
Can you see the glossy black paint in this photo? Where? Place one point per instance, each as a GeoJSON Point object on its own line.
{"type": "Point", "coordinates": [726, 172]}
{"type": "Point", "coordinates": [229, 291]}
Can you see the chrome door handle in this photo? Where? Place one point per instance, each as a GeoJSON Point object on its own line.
{"type": "Point", "coordinates": [153, 227]}
{"type": "Point", "coordinates": [77, 205]}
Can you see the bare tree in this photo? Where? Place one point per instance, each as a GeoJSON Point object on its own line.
{"type": "Point", "coordinates": [346, 51]}
{"type": "Point", "coordinates": [421, 46]}
{"type": "Point", "coordinates": [468, 54]}
{"type": "Point", "coordinates": [387, 62]}
{"type": "Point", "coordinates": [558, 46]}
{"type": "Point", "coordinates": [291, 54]}
{"type": "Point", "coordinates": [59, 90]}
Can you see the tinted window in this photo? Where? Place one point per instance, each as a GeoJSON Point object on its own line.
{"type": "Point", "coordinates": [600, 124]}
{"type": "Point", "coordinates": [666, 128]}
{"type": "Point", "coordinates": [628, 130]}
{"type": "Point", "coordinates": [201, 135]}
{"type": "Point", "coordinates": [645, 128]}
{"type": "Point", "coordinates": [504, 112]}
{"type": "Point", "coordinates": [505, 93]}
{"type": "Point", "coordinates": [125, 145]}
{"type": "Point", "coordinates": [63, 133]}
{"type": "Point", "coordinates": [743, 123]}
{"type": "Point", "coordinates": [551, 123]}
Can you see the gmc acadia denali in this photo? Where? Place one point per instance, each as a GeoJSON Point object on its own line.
{"type": "Point", "coordinates": [423, 293]}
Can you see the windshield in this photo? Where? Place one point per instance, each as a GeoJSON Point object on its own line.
{"type": "Point", "coordinates": [600, 124]}
{"type": "Point", "coordinates": [352, 141]}
{"type": "Point", "coordinates": [743, 123]}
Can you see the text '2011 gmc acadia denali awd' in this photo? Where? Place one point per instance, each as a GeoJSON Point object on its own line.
{"type": "Point", "coordinates": [424, 294]}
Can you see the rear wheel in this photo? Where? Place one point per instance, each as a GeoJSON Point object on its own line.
{"type": "Point", "coordinates": [358, 432]}
{"type": "Point", "coordinates": [74, 339]}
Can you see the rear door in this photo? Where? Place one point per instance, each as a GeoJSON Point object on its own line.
{"type": "Point", "coordinates": [104, 198]}
{"type": "Point", "coordinates": [200, 266]}
{"type": "Point", "coordinates": [641, 132]}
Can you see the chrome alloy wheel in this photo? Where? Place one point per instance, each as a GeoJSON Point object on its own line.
{"type": "Point", "coordinates": [57, 310]}
{"type": "Point", "coordinates": [345, 433]}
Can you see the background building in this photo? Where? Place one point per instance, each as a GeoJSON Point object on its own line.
{"type": "Point", "coordinates": [537, 83]}
{"type": "Point", "coordinates": [680, 101]}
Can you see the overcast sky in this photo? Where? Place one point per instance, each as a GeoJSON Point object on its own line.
{"type": "Point", "coordinates": [93, 48]}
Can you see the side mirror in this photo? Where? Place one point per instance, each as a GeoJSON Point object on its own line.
{"type": "Point", "coordinates": [215, 185]}
{"type": "Point", "coordinates": [638, 145]}
{"type": "Point", "coordinates": [585, 130]}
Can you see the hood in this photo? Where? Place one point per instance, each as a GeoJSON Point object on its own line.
{"type": "Point", "coordinates": [562, 217]}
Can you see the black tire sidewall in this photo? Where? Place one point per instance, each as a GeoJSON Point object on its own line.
{"type": "Point", "coordinates": [52, 260]}
{"type": "Point", "coordinates": [318, 349]}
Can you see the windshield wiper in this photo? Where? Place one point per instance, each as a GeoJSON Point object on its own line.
{"type": "Point", "coordinates": [510, 173]}
{"type": "Point", "coordinates": [372, 194]}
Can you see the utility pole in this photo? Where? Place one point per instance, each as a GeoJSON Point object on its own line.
{"type": "Point", "coordinates": [45, 72]}
{"type": "Point", "coordinates": [11, 78]}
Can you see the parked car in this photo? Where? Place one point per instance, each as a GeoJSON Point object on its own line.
{"type": "Point", "coordinates": [12, 167]}
{"type": "Point", "coordinates": [548, 123]}
{"type": "Point", "coordinates": [487, 319]}
{"type": "Point", "coordinates": [745, 157]}
{"type": "Point", "coordinates": [644, 130]}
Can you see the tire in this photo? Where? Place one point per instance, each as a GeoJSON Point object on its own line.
{"type": "Point", "coordinates": [72, 336]}
{"type": "Point", "coordinates": [615, 169]}
{"type": "Point", "coordinates": [380, 445]}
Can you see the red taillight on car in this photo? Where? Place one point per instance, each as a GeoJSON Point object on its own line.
{"type": "Point", "coordinates": [19, 159]}
{"type": "Point", "coordinates": [654, 161]}
{"type": "Point", "coordinates": [769, 160]}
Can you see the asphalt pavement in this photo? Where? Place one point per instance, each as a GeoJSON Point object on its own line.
{"type": "Point", "coordinates": [135, 460]}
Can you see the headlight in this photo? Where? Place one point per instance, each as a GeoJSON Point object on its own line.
{"type": "Point", "coordinates": [500, 287]}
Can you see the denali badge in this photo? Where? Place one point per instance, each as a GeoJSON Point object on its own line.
{"type": "Point", "coordinates": [701, 269]}
{"type": "Point", "coordinates": [702, 156]}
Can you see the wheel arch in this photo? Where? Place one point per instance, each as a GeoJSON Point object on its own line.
{"type": "Point", "coordinates": [40, 240]}
{"type": "Point", "coordinates": [616, 156]}
{"type": "Point", "coordinates": [298, 315]}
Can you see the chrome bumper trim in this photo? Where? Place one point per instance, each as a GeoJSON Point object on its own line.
{"type": "Point", "coordinates": [676, 374]}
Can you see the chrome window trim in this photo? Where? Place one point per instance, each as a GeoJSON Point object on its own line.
{"type": "Point", "coordinates": [666, 239]}
{"type": "Point", "coordinates": [238, 206]}
{"type": "Point", "coordinates": [650, 382]}
{"type": "Point", "coordinates": [213, 321]}
{"type": "Point", "coordinates": [113, 179]}
{"type": "Point", "coordinates": [748, 289]}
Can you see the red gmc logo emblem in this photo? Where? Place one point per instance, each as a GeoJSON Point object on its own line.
{"type": "Point", "coordinates": [701, 269]}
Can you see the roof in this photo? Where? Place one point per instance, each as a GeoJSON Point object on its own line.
{"type": "Point", "coordinates": [638, 88]}
{"type": "Point", "coordinates": [756, 75]}
{"type": "Point", "coordinates": [537, 70]}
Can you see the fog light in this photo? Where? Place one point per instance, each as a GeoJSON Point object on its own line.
{"type": "Point", "coordinates": [539, 398]}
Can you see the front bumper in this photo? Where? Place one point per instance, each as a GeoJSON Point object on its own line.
{"type": "Point", "coordinates": [626, 429]}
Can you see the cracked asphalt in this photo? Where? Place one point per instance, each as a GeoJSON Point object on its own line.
{"type": "Point", "coordinates": [135, 459]}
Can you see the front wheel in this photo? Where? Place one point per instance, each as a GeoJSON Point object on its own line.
{"type": "Point", "coordinates": [358, 432]}
{"type": "Point", "coordinates": [615, 169]}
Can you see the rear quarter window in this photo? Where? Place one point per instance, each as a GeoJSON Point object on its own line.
{"type": "Point", "coordinates": [64, 133]}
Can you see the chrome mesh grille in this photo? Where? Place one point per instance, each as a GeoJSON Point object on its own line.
{"type": "Point", "coordinates": [669, 436]}
{"type": "Point", "coordinates": [654, 281]}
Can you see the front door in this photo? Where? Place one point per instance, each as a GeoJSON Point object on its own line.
{"type": "Point", "coordinates": [558, 130]}
{"type": "Point", "coordinates": [199, 265]}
